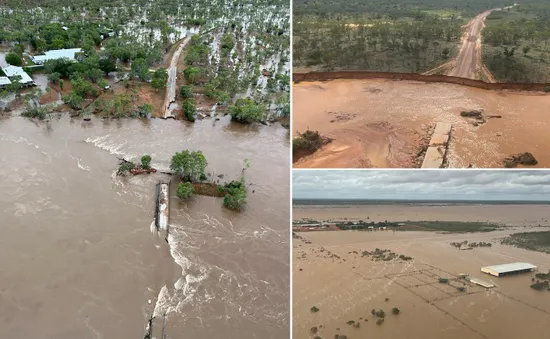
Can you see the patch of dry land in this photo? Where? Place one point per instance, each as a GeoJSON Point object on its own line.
{"type": "Point", "coordinates": [345, 277]}
{"type": "Point", "coordinates": [385, 123]}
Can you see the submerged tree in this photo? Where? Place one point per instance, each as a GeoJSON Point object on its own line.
{"type": "Point", "coordinates": [189, 165]}
{"type": "Point", "coordinates": [185, 190]}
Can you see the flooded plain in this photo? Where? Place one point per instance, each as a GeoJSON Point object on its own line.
{"type": "Point", "coordinates": [78, 255]}
{"type": "Point", "coordinates": [330, 273]}
{"type": "Point", "coordinates": [383, 123]}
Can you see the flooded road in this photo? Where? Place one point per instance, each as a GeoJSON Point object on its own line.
{"type": "Point", "coordinates": [77, 253]}
{"type": "Point", "coordinates": [331, 274]}
{"type": "Point", "coordinates": [381, 123]}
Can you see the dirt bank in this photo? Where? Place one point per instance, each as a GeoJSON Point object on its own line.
{"type": "Point", "coordinates": [323, 76]}
{"type": "Point", "coordinates": [383, 123]}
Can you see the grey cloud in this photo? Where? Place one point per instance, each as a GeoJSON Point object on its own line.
{"type": "Point", "coordinates": [411, 184]}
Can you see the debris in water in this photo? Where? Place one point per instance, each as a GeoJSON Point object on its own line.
{"type": "Point", "coordinates": [520, 159]}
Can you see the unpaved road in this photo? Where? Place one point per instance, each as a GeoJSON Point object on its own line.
{"type": "Point", "coordinates": [468, 62]}
{"type": "Point", "coordinates": [172, 75]}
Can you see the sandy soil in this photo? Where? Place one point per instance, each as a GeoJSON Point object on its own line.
{"type": "Point", "coordinates": [380, 123]}
{"type": "Point", "coordinates": [331, 274]}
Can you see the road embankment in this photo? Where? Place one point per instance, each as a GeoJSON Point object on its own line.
{"type": "Point", "coordinates": [325, 76]}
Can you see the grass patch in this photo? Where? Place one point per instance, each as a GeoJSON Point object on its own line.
{"type": "Point", "coordinates": [534, 241]}
{"type": "Point", "coordinates": [448, 226]}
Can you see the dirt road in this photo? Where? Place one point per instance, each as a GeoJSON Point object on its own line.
{"type": "Point", "coordinates": [468, 62]}
{"type": "Point", "coordinates": [169, 101]}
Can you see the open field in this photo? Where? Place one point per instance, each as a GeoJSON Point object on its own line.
{"type": "Point", "coordinates": [332, 273]}
{"type": "Point", "coordinates": [386, 123]}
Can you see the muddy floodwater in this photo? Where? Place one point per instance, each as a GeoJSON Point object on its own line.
{"type": "Point", "coordinates": [79, 258]}
{"type": "Point", "coordinates": [381, 123]}
{"type": "Point", "coordinates": [330, 273]}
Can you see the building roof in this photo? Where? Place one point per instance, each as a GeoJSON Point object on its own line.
{"type": "Point", "coordinates": [57, 54]}
{"type": "Point", "coordinates": [4, 81]}
{"type": "Point", "coordinates": [517, 266]}
{"type": "Point", "coordinates": [13, 71]}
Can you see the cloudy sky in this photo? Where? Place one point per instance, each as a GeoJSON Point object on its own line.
{"type": "Point", "coordinates": [418, 184]}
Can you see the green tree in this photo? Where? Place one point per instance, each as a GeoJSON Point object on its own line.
{"type": "Point", "coordinates": [145, 110]}
{"type": "Point", "coordinates": [81, 86]}
{"type": "Point", "coordinates": [189, 109]}
{"type": "Point", "coordinates": [73, 100]}
{"type": "Point", "coordinates": [158, 84]}
{"type": "Point", "coordinates": [235, 195]}
{"type": "Point", "coordinates": [189, 165]}
{"type": "Point", "coordinates": [192, 74]}
{"type": "Point", "coordinates": [14, 59]}
{"type": "Point", "coordinates": [146, 161]}
{"type": "Point", "coordinates": [54, 77]}
{"type": "Point", "coordinates": [246, 110]}
{"type": "Point", "coordinates": [185, 190]}
{"type": "Point", "coordinates": [186, 92]}
{"type": "Point", "coordinates": [107, 65]}
{"type": "Point", "coordinates": [140, 68]}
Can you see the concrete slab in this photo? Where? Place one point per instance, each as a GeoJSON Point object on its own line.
{"type": "Point", "coordinates": [434, 157]}
{"type": "Point", "coordinates": [439, 140]}
{"type": "Point", "coordinates": [443, 128]}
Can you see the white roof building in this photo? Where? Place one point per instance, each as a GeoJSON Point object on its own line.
{"type": "Point", "coordinates": [14, 71]}
{"type": "Point", "coordinates": [506, 269]}
{"type": "Point", "coordinates": [56, 54]}
{"type": "Point", "coordinates": [4, 81]}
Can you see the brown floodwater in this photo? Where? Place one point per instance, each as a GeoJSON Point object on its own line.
{"type": "Point", "coordinates": [349, 287]}
{"type": "Point", "coordinates": [79, 257]}
{"type": "Point", "coordinates": [381, 123]}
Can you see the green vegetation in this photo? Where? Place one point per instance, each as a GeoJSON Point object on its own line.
{"type": "Point", "coordinates": [14, 59]}
{"type": "Point", "coordinates": [307, 143]}
{"type": "Point", "coordinates": [534, 241]}
{"type": "Point", "coordinates": [314, 309]}
{"type": "Point", "coordinates": [517, 44]}
{"type": "Point", "coordinates": [465, 244]}
{"type": "Point", "coordinates": [247, 111]}
{"type": "Point", "coordinates": [125, 167]}
{"type": "Point", "coordinates": [449, 226]}
{"type": "Point", "coordinates": [146, 161]}
{"type": "Point", "coordinates": [186, 92]}
{"type": "Point", "coordinates": [185, 190]}
{"type": "Point", "coordinates": [395, 311]}
{"type": "Point", "coordinates": [235, 195]}
{"type": "Point", "coordinates": [189, 109]}
{"type": "Point", "coordinates": [189, 165]}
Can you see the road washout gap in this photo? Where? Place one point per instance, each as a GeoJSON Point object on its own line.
{"type": "Point", "coordinates": [170, 99]}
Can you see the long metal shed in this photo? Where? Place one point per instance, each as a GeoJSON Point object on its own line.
{"type": "Point", "coordinates": [508, 269]}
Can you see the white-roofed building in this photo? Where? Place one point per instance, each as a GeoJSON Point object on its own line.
{"type": "Point", "coordinates": [56, 54]}
{"type": "Point", "coordinates": [13, 72]}
{"type": "Point", "coordinates": [508, 269]}
{"type": "Point", "coordinates": [4, 81]}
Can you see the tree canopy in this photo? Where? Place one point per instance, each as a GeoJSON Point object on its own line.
{"type": "Point", "coordinates": [189, 165]}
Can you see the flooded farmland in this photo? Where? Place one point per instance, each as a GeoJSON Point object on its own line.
{"type": "Point", "coordinates": [384, 123]}
{"type": "Point", "coordinates": [331, 273]}
{"type": "Point", "coordinates": [77, 253]}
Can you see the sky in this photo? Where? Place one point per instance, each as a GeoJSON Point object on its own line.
{"type": "Point", "coordinates": [421, 184]}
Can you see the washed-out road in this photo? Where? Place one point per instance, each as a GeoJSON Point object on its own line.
{"type": "Point", "coordinates": [468, 62]}
{"type": "Point", "coordinates": [172, 75]}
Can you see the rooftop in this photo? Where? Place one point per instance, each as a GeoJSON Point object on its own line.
{"type": "Point", "coordinates": [4, 81]}
{"type": "Point", "coordinates": [57, 54]}
{"type": "Point", "coordinates": [12, 71]}
{"type": "Point", "coordinates": [517, 266]}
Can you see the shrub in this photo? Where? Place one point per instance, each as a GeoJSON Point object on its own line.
{"type": "Point", "coordinates": [125, 167]}
{"type": "Point", "coordinates": [307, 142]}
{"type": "Point", "coordinates": [186, 92]}
{"type": "Point", "coordinates": [185, 190]}
{"type": "Point", "coordinates": [380, 313]}
{"type": "Point", "coordinates": [314, 330]}
{"type": "Point", "coordinates": [189, 109]}
{"type": "Point", "coordinates": [314, 309]}
{"type": "Point", "coordinates": [247, 111]}
{"type": "Point", "coordinates": [14, 59]}
{"type": "Point", "coordinates": [395, 310]}
{"type": "Point", "coordinates": [235, 197]}
{"type": "Point", "coordinates": [146, 161]}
